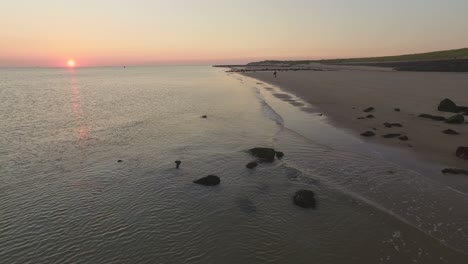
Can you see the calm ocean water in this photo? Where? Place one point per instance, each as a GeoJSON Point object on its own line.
{"type": "Point", "coordinates": [64, 198]}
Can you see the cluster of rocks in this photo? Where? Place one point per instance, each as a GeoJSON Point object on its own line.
{"type": "Point", "coordinates": [386, 124]}
{"type": "Point", "coordinates": [446, 105]}
{"type": "Point", "coordinates": [449, 106]}
{"type": "Point", "coordinates": [302, 198]}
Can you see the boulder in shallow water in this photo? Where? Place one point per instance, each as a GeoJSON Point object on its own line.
{"type": "Point", "coordinates": [305, 199]}
{"type": "Point", "coordinates": [433, 117]}
{"type": "Point", "coordinates": [279, 154]}
{"type": "Point", "coordinates": [210, 180]}
{"type": "Point", "coordinates": [454, 171]}
{"type": "Point", "coordinates": [264, 154]}
{"type": "Point", "coordinates": [462, 152]}
{"type": "Point", "coordinates": [368, 134]}
{"type": "Point", "coordinates": [251, 165]}
{"type": "Point", "coordinates": [448, 105]}
{"type": "Point", "coordinates": [369, 109]}
{"type": "Point", "coordinates": [456, 119]}
{"type": "Point", "coordinates": [450, 132]}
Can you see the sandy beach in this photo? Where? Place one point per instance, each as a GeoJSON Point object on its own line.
{"type": "Point", "coordinates": [343, 93]}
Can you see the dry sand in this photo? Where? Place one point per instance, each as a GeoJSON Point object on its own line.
{"type": "Point", "coordinates": [343, 94]}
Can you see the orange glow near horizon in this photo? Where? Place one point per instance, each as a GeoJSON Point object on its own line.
{"type": "Point", "coordinates": [71, 63]}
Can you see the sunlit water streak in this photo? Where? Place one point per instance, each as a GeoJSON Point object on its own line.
{"type": "Point", "coordinates": [64, 198]}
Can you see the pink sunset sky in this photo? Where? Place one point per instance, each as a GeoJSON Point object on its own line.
{"type": "Point", "coordinates": [124, 32]}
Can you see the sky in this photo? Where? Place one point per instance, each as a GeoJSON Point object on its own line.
{"type": "Point", "coordinates": [142, 32]}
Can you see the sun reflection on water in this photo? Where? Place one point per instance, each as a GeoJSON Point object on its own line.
{"type": "Point", "coordinates": [83, 132]}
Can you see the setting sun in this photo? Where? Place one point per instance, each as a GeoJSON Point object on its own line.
{"type": "Point", "coordinates": [71, 63]}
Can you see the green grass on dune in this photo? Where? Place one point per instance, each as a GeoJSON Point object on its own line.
{"type": "Point", "coordinates": [436, 55]}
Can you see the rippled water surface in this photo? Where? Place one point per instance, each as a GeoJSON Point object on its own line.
{"type": "Point", "coordinates": [65, 198]}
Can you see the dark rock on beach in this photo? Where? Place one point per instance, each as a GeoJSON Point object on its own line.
{"type": "Point", "coordinates": [454, 171]}
{"type": "Point", "coordinates": [120, 161]}
{"type": "Point", "coordinates": [448, 105]}
{"type": "Point", "coordinates": [456, 119]}
{"type": "Point", "coordinates": [264, 154]}
{"type": "Point", "coordinates": [368, 134]}
{"type": "Point", "coordinates": [204, 116]}
{"type": "Point", "coordinates": [462, 152]}
{"type": "Point", "coordinates": [361, 118]}
{"type": "Point", "coordinates": [433, 117]}
{"type": "Point", "coordinates": [391, 135]}
{"type": "Point", "coordinates": [251, 165]}
{"type": "Point", "coordinates": [210, 180]}
{"type": "Point", "coordinates": [305, 199]}
{"type": "Point", "coordinates": [397, 109]}
{"type": "Point", "coordinates": [369, 109]}
{"type": "Point", "coordinates": [450, 132]}
{"type": "Point", "coordinates": [279, 154]}
{"type": "Point", "coordinates": [403, 138]}
{"type": "Point", "coordinates": [389, 125]}
{"type": "Point", "coordinates": [370, 116]}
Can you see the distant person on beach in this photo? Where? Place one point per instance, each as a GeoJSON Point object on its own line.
{"type": "Point", "coordinates": [274, 73]}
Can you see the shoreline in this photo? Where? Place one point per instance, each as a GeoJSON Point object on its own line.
{"type": "Point", "coordinates": [342, 95]}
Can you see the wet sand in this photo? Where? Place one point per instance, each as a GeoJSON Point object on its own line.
{"type": "Point", "coordinates": [343, 94]}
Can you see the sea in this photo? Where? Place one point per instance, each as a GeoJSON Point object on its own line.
{"type": "Point", "coordinates": [87, 175]}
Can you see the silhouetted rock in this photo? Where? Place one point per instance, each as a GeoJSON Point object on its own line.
{"type": "Point", "coordinates": [120, 161]}
{"type": "Point", "coordinates": [456, 119]}
{"type": "Point", "coordinates": [369, 109]}
{"type": "Point", "coordinates": [454, 171]}
{"type": "Point", "coordinates": [177, 162]}
{"type": "Point", "coordinates": [204, 116]}
{"type": "Point", "coordinates": [462, 152]}
{"type": "Point", "coordinates": [368, 134]}
{"type": "Point", "coordinates": [448, 105]}
{"type": "Point", "coordinates": [370, 116]}
{"type": "Point", "coordinates": [305, 199]}
{"type": "Point", "coordinates": [251, 165]}
{"type": "Point", "coordinates": [210, 180]}
{"type": "Point", "coordinates": [392, 135]}
{"type": "Point", "coordinates": [403, 138]}
{"type": "Point", "coordinates": [264, 154]}
{"type": "Point", "coordinates": [433, 117]}
{"type": "Point", "coordinates": [279, 154]}
{"type": "Point", "coordinates": [397, 109]}
{"type": "Point", "coordinates": [450, 132]}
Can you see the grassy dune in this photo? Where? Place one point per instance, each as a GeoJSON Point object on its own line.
{"type": "Point", "coordinates": [436, 55]}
